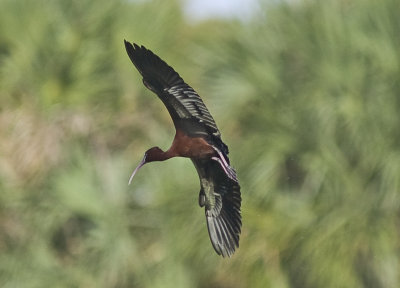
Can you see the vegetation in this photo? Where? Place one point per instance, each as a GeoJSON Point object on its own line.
{"type": "Point", "coordinates": [306, 94]}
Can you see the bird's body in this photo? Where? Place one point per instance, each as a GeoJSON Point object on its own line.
{"type": "Point", "coordinates": [198, 138]}
{"type": "Point", "coordinates": [191, 147]}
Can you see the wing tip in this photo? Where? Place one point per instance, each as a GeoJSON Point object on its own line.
{"type": "Point", "coordinates": [135, 50]}
{"type": "Point", "coordinates": [224, 240]}
{"type": "Point", "coordinates": [152, 66]}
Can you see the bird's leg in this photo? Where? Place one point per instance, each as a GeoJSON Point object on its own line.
{"type": "Point", "coordinates": [227, 169]}
{"type": "Point", "coordinates": [221, 156]}
{"type": "Point", "coordinates": [224, 164]}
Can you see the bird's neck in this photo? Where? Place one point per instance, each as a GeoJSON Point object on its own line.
{"type": "Point", "coordinates": [162, 156]}
{"type": "Point", "coordinates": [170, 153]}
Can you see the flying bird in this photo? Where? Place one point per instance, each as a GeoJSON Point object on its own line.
{"type": "Point", "coordinates": [198, 138]}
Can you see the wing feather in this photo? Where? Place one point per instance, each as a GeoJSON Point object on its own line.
{"type": "Point", "coordinates": [222, 206]}
{"type": "Point", "coordinates": [183, 103]}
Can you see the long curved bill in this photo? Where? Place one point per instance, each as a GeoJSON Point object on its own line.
{"type": "Point", "coordinates": [137, 168]}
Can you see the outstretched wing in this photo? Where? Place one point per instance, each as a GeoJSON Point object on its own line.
{"type": "Point", "coordinates": [220, 195]}
{"type": "Point", "coordinates": [185, 106]}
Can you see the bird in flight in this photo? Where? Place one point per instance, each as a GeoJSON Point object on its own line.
{"type": "Point", "coordinates": [198, 138]}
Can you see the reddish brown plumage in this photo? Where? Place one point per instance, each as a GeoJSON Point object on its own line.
{"type": "Point", "coordinates": [190, 147]}
{"type": "Point", "coordinates": [183, 145]}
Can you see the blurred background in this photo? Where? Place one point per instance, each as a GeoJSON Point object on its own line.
{"type": "Point", "coordinates": [306, 94]}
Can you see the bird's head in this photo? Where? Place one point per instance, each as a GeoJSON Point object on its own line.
{"type": "Point", "coordinates": [151, 155]}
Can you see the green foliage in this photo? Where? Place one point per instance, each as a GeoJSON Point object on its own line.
{"type": "Point", "coordinates": [305, 94]}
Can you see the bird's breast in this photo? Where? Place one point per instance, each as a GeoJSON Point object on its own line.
{"type": "Point", "coordinates": [191, 147]}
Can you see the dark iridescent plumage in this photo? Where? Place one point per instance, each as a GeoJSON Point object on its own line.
{"type": "Point", "coordinates": [220, 190]}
